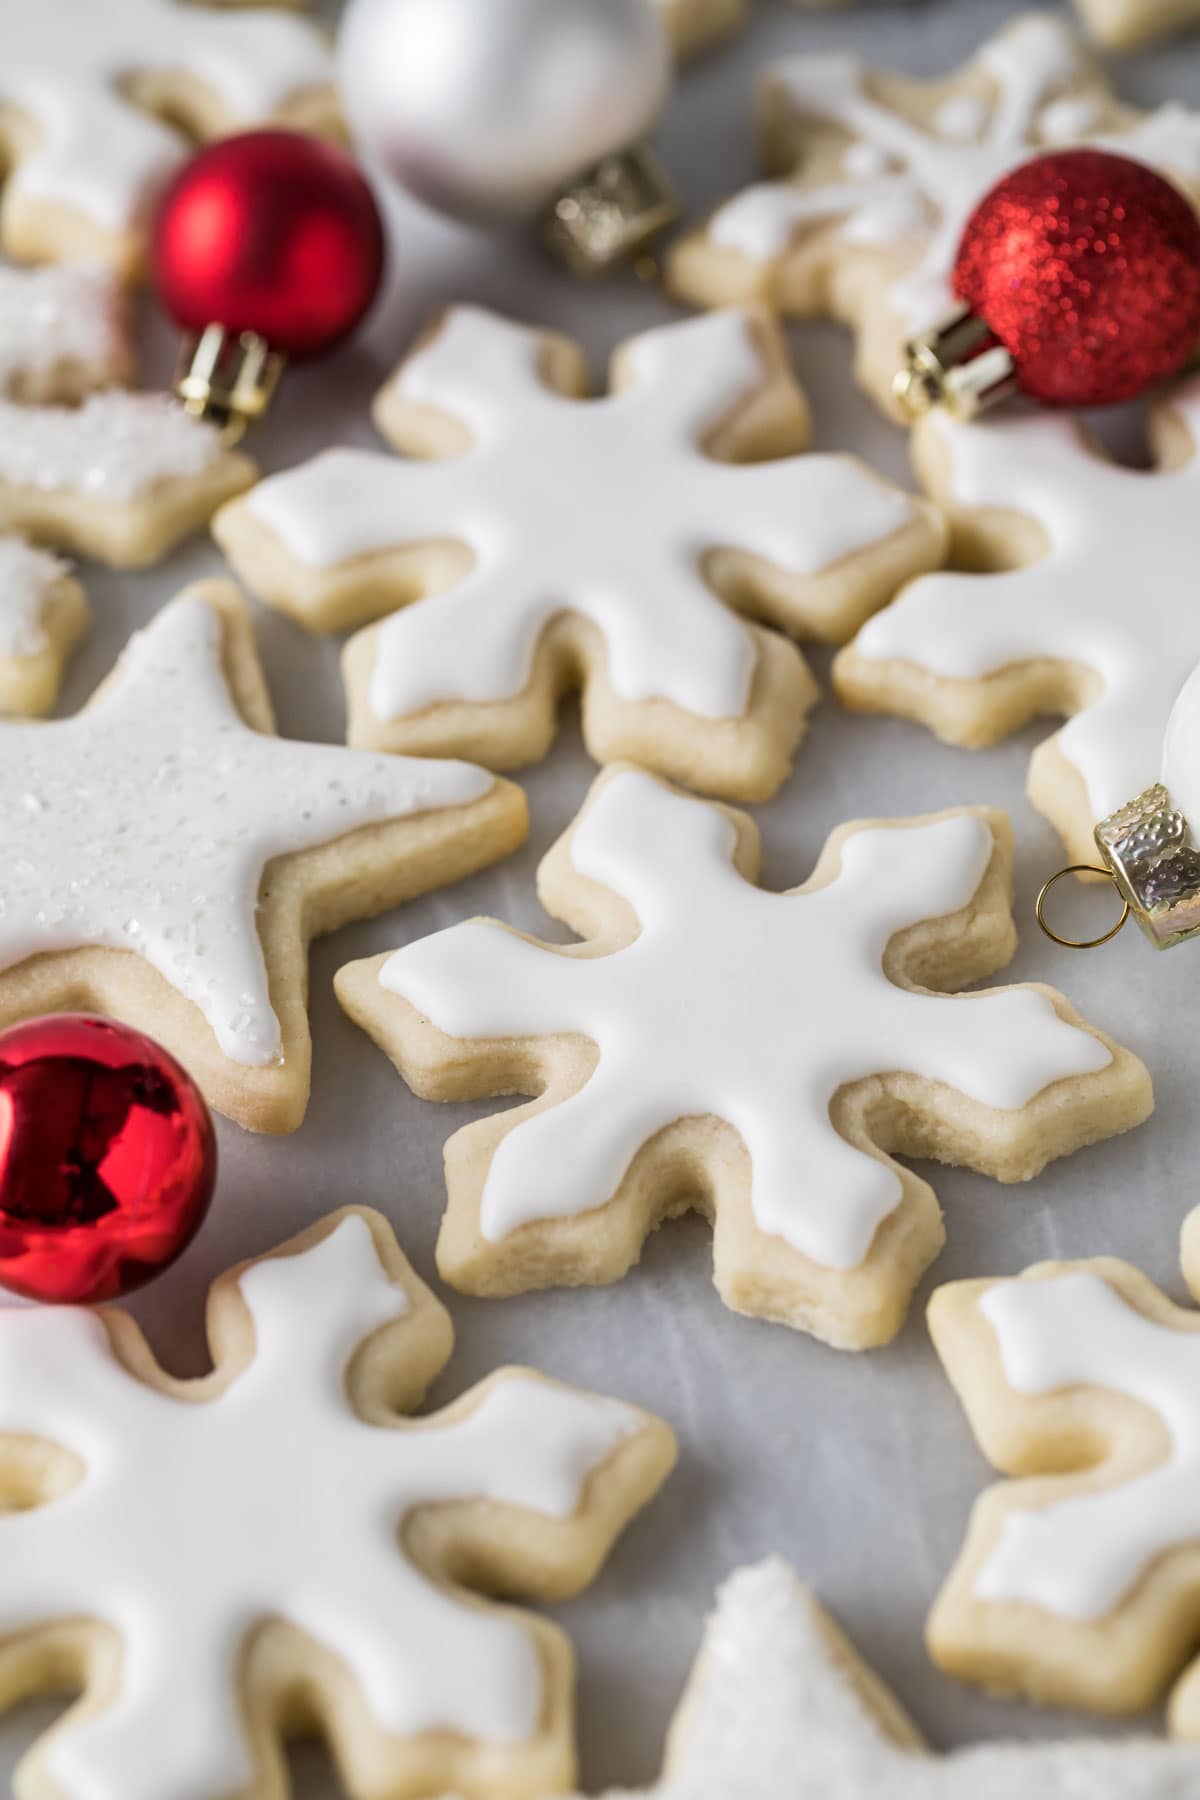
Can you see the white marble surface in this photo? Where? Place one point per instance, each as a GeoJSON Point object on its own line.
{"type": "Point", "coordinates": [859, 1469]}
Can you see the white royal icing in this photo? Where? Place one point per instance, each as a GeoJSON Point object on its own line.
{"type": "Point", "coordinates": [63, 62]}
{"type": "Point", "coordinates": [1115, 592]}
{"type": "Point", "coordinates": [917, 188]}
{"type": "Point", "coordinates": [145, 823]}
{"type": "Point", "coordinates": [603, 508]}
{"type": "Point", "coordinates": [62, 320]}
{"type": "Point", "coordinates": [26, 577]}
{"type": "Point", "coordinates": [753, 1006]}
{"type": "Point", "coordinates": [116, 446]}
{"type": "Point", "coordinates": [777, 1710]}
{"type": "Point", "coordinates": [1079, 1557]}
{"type": "Point", "coordinates": [192, 1524]}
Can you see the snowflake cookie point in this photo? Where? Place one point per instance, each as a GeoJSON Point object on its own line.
{"type": "Point", "coordinates": [780, 1705]}
{"type": "Point", "coordinates": [351, 1586]}
{"type": "Point", "coordinates": [881, 173]}
{"type": "Point", "coordinates": [513, 548]}
{"type": "Point", "coordinates": [640, 1114]}
{"type": "Point", "coordinates": [1075, 1585]}
{"type": "Point", "coordinates": [1048, 629]}
{"type": "Point", "coordinates": [168, 856]}
{"type": "Point", "coordinates": [89, 103]}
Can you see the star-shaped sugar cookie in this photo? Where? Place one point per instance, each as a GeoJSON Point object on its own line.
{"type": "Point", "coordinates": [93, 97]}
{"type": "Point", "coordinates": [780, 1706]}
{"type": "Point", "coordinates": [167, 858]}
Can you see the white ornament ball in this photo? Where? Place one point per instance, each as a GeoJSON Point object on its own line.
{"type": "Point", "coordinates": [1181, 752]}
{"type": "Point", "coordinates": [488, 108]}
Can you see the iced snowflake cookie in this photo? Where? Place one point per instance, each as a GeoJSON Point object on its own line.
{"type": "Point", "coordinates": [219, 1563]}
{"type": "Point", "coordinates": [167, 858]}
{"type": "Point", "coordinates": [780, 1706]}
{"type": "Point", "coordinates": [759, 1056]}
{"type": "Point", "coordinates": [1076, 1584]}
{"type": "Point", "coordinates": [879, 174]}
{"type": "Point", "coordinates": [1060, 535]}
{"type": "Point", "coordinates": [62, 333]}
{"type": "Point", "coordinates": [547, 543]}
{"type": "Point", "coordinates": [1122, 24]}
{"type": "Point", "coordinates": [92, 98]}
{"type": "Point", "coordinates": [43, 613]}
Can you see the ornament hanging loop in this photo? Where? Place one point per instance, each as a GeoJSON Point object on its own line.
{"type": "Point", "coordinates": [228, 378]}
{"type": "Point", "coordinates": [1079, 943]}
{"type": "Point", "coordinates": [957, 364]}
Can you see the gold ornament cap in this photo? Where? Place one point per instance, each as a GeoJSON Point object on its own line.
{"type": "Point", "coordinates": [613, 213]}
{"type": "Point", "coordinates": [957, 364]}
{"type": "Point", "coordinates": [1149, 852]}
{"type": "Point", "coordinates": [228, 378]}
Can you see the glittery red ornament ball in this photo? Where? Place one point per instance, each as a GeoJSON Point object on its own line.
{"type": "Point", "coordinates": [1086, 267]}
{"type": "Point", "coordinates": [271, 232]}
{"type": "Point", "coordinates": [107, 1158]}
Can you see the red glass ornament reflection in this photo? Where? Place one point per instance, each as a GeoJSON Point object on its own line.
{"type": "Point", "coordinates": [270, 232]}
{"type": "Point", "coordinates": [1085, 265]}
{"type": "Point", "coordinates": [107, 1158]}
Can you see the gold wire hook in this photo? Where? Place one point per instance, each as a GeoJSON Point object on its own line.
{"type": "Point", "coordinates": [1078, 943]}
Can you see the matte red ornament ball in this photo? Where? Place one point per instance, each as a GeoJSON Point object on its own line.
{"type": "Point", "coordinates": [107, 1158]}
{"type": "Point", "coordinates": [272, 232]}
{"type": "Point", "coordinates": [1086, 267]}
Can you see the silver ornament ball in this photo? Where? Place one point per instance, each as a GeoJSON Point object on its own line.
{"type": "Point", "coordinates": [488, 108]}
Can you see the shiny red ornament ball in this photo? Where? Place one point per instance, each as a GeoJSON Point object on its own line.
{"type": "Point", "coordinates": [107, 1159]}
{"type": "Point", "coordinates": [1086, 267]}
{"type": "Point", "coordinates": [271, 232]}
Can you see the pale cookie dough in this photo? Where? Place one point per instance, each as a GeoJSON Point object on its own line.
{"type": "Point", "coordinates": [93, 96]}
{"type": "Point", "coordinates": [43, 614]}
{"type": "Point", "coordinates": [63, 333]}
{"type": "Point", "coordinates": [1079, 599]}
{"type": "Point", "coordinates": [1078, 1584]}
{"type": "Point", "coordinates": [757, 1056]}
{"type": "Point", "coordinates": [122, 478]}
{"type": "Point", "coordinates": [546, 544]}
{"type": "Point", "coordinates": [780, 1706]}
{"type": "Point", "coordinates": [167, 858]}
{"type": "Point", "coordinates": [1125, 24]}
{"type": "Point", "coordinates": [879, 174]}
{"type": "Point", "coordinates": [275, 1547]}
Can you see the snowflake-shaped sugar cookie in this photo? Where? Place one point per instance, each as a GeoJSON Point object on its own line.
{"type": "Point", "coordinates": [1091, 613]}
{"type": "Point", "coordinates": [1077, 1582]}
{"type": "Point", "coordinates": [91, 96]}
{"type": "Point", "coordinates": [755, 1054]}
{"type": "Point", "coordinates": [204, 1551]}
{"type": "Point", "coordinates": [166, 857]}
{"type": "Point", "coordinates": [780, 1706]}
{"type": "Point", "coordinates": [612, 545]}
{"type": "Point", "coordinates": [885, 171]}
{"type": "Point", "coordinates": [1123, 24]}
{"type": "Point", "coordinates": [43, 613]}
